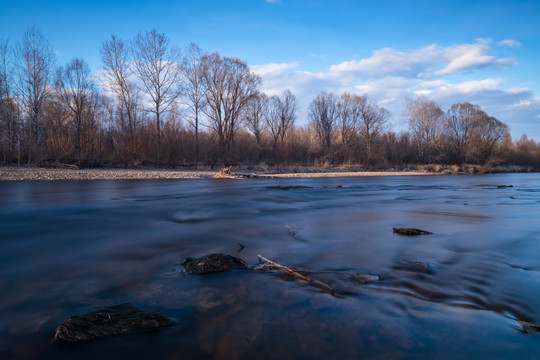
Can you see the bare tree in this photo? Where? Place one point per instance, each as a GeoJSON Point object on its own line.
{"type": "Point", "coordinates": [8, 106]}
{"type": "Point", "coordinates": [194, 89]}
{"type": "Point", "coordinates": [34, 64]}
{"type": "Point", "coordinates": [255, 115]}
{"type": "Point", "coordinates": [287, 112]}
{"type": "Point", "coordinates": [424, 117]}
{"type": "Point", "coordinates": [157, 66]}
{"type": "Point", "coordinates": [118, 80]}
{"type": "Point", "coordinates": [57, 120]}
{"type": "Point", "coordinates": [280, 118]}
{"type": "Point", "coordinates": [471, 133]}
{"type": "Point", "coordinates": [75, 89]}
{"type": "Point", "coordinates": [349, 112]}
{"type": "Point", "coordinates": [372, 123]}
{"type": "Point", "coordinates": [272, 118]}
{"type": "Point", "coordinates": [323, 112]}
{"type": "Point", "coordinates": [230, 85]}
{"type": "Point", "coordinates": [459, 125]}
{"type": "Point", "coordinates": [487, 133]}
{"type": "Point", "coordinates": [526, 152]}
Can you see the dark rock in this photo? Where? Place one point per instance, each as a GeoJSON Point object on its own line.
{"type": "Point", "coordinates": [122, 319]}
{"type": "Point", "coordinates": [492, 186]}
{"type": "Point", "coordinates": [213, 263]}
{"type": "Point", "coordinates": [411, 231]}
{"type": "Point", "coordinates": [282, 187]}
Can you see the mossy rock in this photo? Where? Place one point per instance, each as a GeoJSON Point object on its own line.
{"type": "Point", "coordinates": [213, 263]}
{"type": "Point", "coordinates": [122, 319]}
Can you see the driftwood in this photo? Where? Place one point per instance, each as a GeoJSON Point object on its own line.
{"type": "Point", "coordinates": [527, 326]}
{"type": "Point", "coordinates": [410, 231]}
{"type": "Point", "coordinates": [266, 265]}
{"type": "Point", "coordinates": [226, 173]}
{"type": "Point", "coordinates": [292, 231]}
{"type": "Point", "coordinates": [58, 165]}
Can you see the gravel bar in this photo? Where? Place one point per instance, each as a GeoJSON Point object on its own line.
{"type": "Point", "coordinates": [15, 173]}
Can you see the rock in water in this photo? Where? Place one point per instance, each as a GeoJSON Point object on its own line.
{"type": "Point", "coordinates": [411, 231]}
{"type": "Point", "coordinates": [288, 187]}
{"type": "Point", "coordinates": [213, 263]}
{"type": "Point", "coordinates": [122, 319]}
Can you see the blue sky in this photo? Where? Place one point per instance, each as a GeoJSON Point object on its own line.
{"type": "Point", "coordinates": [484, 52]}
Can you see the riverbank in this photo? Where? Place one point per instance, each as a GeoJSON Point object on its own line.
{"type": "Point", "coordinates": [15, 173]}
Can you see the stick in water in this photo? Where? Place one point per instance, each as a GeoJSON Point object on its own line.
{"type": "Point", "coordinates": [317, 283]}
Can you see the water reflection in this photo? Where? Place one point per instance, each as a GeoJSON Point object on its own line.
{"type": "Point", "coordinates": [70, 247]}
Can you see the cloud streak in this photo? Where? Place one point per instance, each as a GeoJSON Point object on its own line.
{"type": "Point", "coordinates": [510, 43]}
{"type": "Point", "coordinates": [273, 68]}
{"type": "Point", "coordinates": [470, 56]}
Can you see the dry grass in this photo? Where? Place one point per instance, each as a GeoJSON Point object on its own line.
{"type": "Point", "coordinates": [226, 173]}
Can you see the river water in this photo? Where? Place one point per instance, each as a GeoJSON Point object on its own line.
{"type": "Point", "coordinates": [70, 247]}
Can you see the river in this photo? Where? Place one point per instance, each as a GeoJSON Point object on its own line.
{"type": "Point", "coordinates": [70, 247]}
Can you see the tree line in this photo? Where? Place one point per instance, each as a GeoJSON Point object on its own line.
{"type": "Point", "coordinates": [156, 105]}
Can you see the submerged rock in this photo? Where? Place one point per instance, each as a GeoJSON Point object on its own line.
{"type": "Point", "coordinates": [213, 263]}
{"type": "Point", "coordinates": [415, 266]}
{"type": "Point", "coordinates": [365, 278]}
{"type": "Point", "coordinates": [410, 231]}
{"type": "Point", "coordinates": [332, 187]}
{"type": "Point", "coordinates": [122, 319]}
{"type": "Point", "coordinates": [283, 187]}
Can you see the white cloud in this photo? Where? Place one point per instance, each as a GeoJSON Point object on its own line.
{"type": "Point", "coordinates": [274, 69]}
{"type": "Point", "coordinates": [518, 90]}
{"type": "Point", "coordinates": [387, 61]}
{"type": "Point", "coordinates": [432, 60]}
{"type": "Point", "coordinates": [470, 56]}
{"type": "Point", "coordinates": [510, 43]}
{"type": "Point", "coordinates": [472, 87]}
{"type": "Point", "coordinates": [523, 103]}
{"type": "Point", "coordinates": [447, 75]}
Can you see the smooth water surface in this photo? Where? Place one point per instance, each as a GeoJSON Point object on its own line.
{"type": "Point", "coordinates": [70, 247]}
